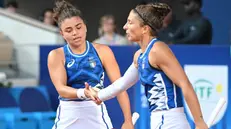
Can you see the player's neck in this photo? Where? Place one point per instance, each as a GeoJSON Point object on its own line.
{"type": "Point", "coordinates": [80, 49]}
{"type": "Point", "coordinates": [144, 42]}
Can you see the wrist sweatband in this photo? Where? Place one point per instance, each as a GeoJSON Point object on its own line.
{"type": "Point", "coordinates": [80, 94]}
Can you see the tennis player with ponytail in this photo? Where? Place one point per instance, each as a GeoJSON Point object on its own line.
{"type": "Point", "coordinates": [77, 62]}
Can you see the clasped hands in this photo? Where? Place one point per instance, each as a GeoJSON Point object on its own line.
{"type": "Point", "coordinates": [92, 93]}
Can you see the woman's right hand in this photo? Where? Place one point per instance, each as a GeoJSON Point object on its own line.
{"type": "Point", "coordinates": [92, 93]}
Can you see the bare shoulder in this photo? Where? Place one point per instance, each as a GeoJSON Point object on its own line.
{"type": "Point", "coordinates": [105, 53]}
{"type": "Point", "coordinates": [101, 48]}
{"type": "Point", "coordinates": [160, 47]}
{"type": "Point", "coordinates": [56, 54]}
{"type": "Point", "coordinates": [160, 53]}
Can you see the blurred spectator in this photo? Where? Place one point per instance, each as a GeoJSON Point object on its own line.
{"type": "Point", "coordinates": [108, 34]}
{"type": "Point", "coordinates": [7, 63]}
{"type": "Point", "coordinates": [170, 25]}
{"type": "Point", "coordinates": [196, 29]}
{"type": "Point", "coordinates": [47, 17]}
{"type": "Point", "coordinates": [12, 6]}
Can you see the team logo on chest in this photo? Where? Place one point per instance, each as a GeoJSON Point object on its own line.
{"type": "Point", "coordinates": [69, 64]}
{"type": "Point", "coordinates": [92, 62]}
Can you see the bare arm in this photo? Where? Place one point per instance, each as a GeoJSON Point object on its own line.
{"type": "Point", "coordinates": [163, 57]}
{"type": "Point", "coordinates": [130, 77]}
{"type": "Point", "coordinates": [58, 74]}
{"type": "Point", "coordinates": [113, 72]}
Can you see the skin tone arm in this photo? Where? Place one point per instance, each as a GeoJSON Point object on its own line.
{"type": "Point", "coordinates": [129, 78]}
{"type": "Point", "coordinates": [113, 72]}
{"type": "Point", "coordinates": [162, 57]}
{"type": "Point", "coordinates": [58, 74]}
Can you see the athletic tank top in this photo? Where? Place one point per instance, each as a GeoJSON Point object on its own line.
{"type": "Point", "coordinates": [81, 68]}
{"type": "Point", "coordinates": [161, 92]}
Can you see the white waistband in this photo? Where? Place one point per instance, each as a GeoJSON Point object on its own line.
{"type": "Point", "coordinates": [78, 103]}
{"type": "Point", "coordinates": [170, 111]}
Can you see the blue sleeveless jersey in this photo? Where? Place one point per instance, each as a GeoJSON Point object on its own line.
{"type": "Point", "coordinates": [86, 67]}
{"type": "Point", "coordinates": [161, 92]}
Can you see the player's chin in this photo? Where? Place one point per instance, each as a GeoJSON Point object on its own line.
{"type": "Point", "coordinates": [77, 43]}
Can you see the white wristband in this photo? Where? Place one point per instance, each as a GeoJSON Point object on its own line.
{"type": "Point", "coordinates": [80, 94]}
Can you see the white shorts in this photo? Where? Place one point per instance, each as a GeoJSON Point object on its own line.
{"type": "Point", "coordinates": [170, 119]}
{"type": "Point", "coordinates": [82, 115]}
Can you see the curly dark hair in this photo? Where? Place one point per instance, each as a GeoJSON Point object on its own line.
{"type": "Point", "coordinates": [64, 9]}
{"type": "Point", "coordinates": [152, 14]}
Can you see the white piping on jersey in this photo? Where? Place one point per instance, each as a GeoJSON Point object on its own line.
{"type": "Point", "coordinates": [174, 88]}
{"type": "Point", "coordinates": [148, 47]}
{"type": "Point", "coordinates": [75, 55]}
{"type": "Point", "coordinates": [166, 100]}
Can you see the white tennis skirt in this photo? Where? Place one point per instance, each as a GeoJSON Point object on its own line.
{"type": "Point", "coordinates": [170, 119]}
{"type": "Point", "coordinates": [82, 115]}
